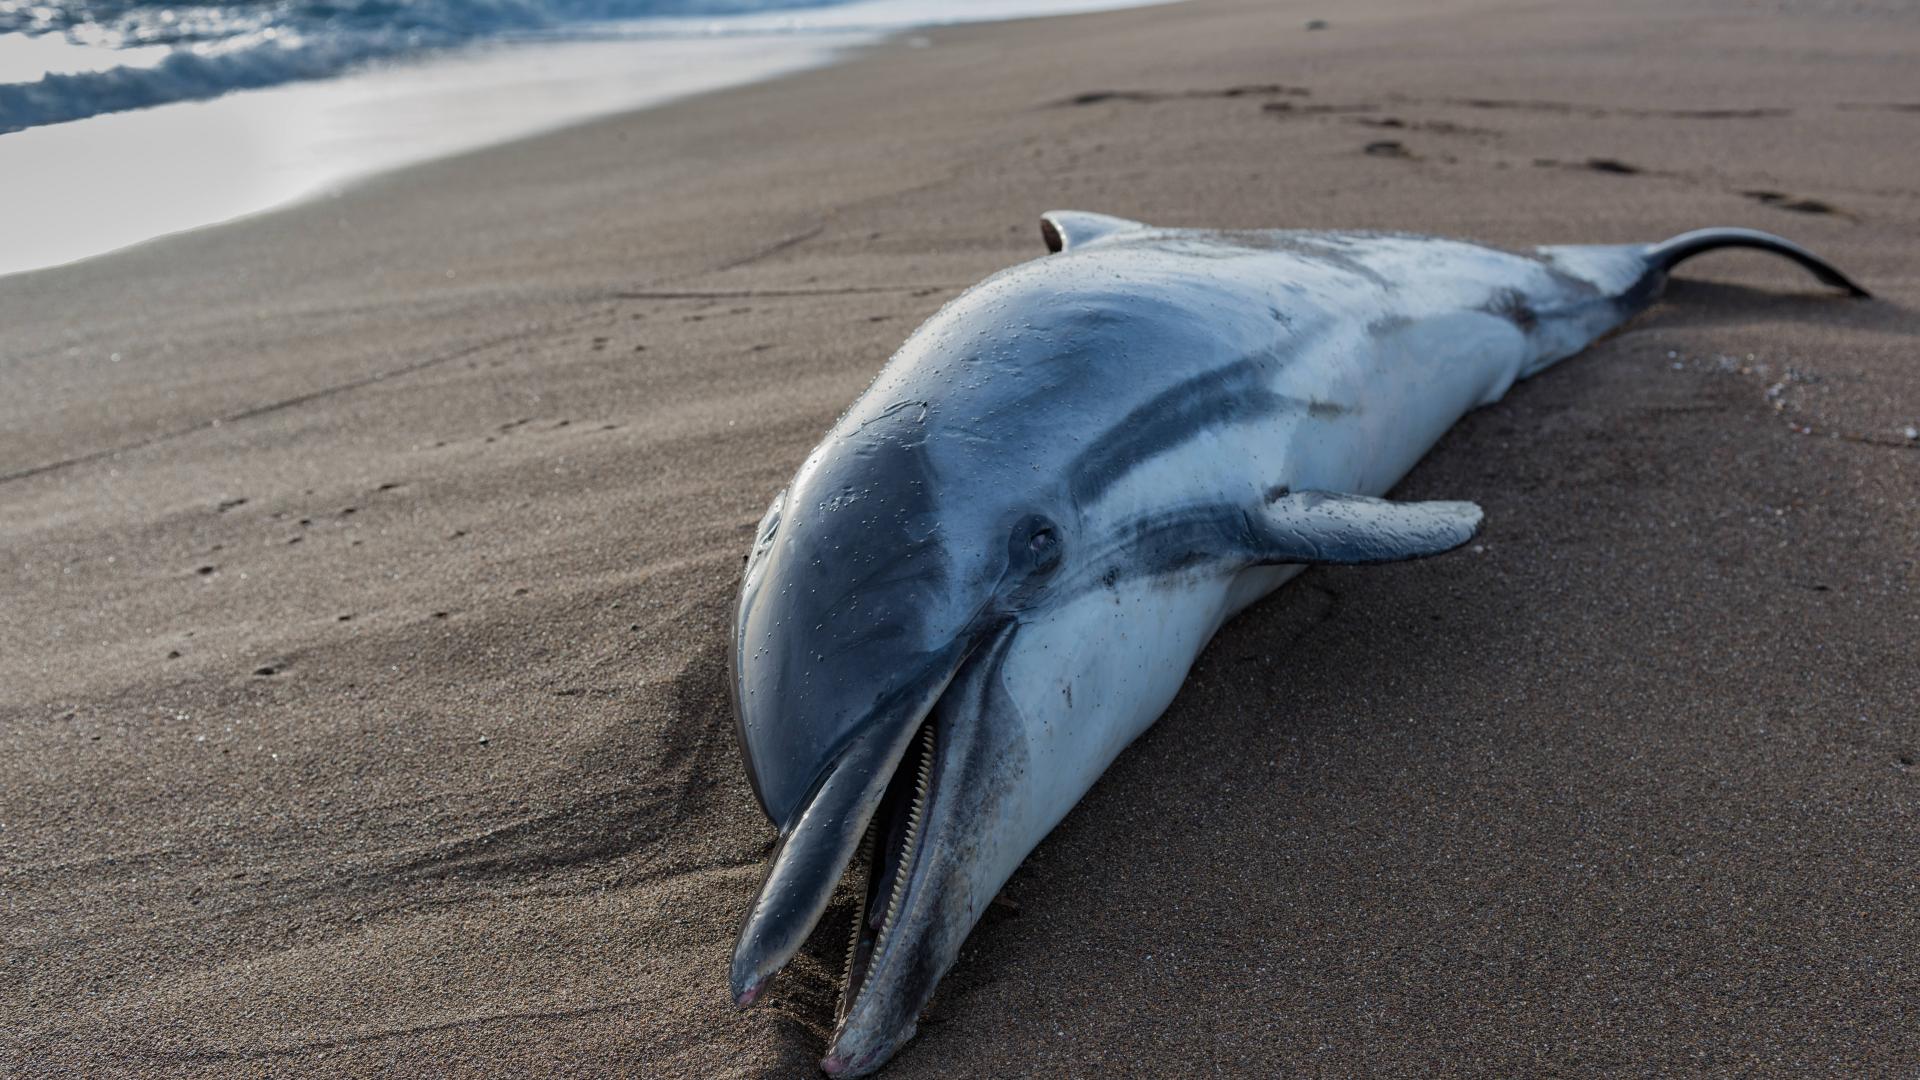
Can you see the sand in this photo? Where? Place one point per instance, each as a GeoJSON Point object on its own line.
{"type": "Point", "coordinates": [368, 566]}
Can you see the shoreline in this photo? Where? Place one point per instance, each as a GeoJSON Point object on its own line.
{"type": "Point", "coordinates": [373, 575]}
{"type": "Point", "coordinates": [220, 177]}
{"type": "Point", "coordinates": [114, 180]}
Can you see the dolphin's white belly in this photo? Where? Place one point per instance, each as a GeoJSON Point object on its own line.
{"type": "Point", "coordinates": [1106, 665]}
{"type": "Point", "coordinates": [1110, 662]}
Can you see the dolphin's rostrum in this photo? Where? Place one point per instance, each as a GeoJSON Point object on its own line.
{"type": "Point", "coordinates": [998, 567]}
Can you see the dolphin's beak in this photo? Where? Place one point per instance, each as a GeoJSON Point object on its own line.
{"type": "Point", "coordinates": [820, 841]}
{"type": "Point", "coordinates": [943, 845]}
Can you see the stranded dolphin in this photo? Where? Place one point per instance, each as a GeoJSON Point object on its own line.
{"type": "Point", "coordinates": [997, 569]}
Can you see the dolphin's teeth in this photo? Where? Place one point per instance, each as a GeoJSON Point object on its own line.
{"type": "Point", "coordinates": [863, 860]}
{"type": "Point", "coordinates": [911, 841]}
{"type": "Point", "coordinates": [869, 937]}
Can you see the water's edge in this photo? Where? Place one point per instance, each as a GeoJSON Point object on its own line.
{"type": "Point", "coordinates": [116, 180]}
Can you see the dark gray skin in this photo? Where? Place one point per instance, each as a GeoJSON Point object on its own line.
{"type": "Point", "coordinates": [997, 568]}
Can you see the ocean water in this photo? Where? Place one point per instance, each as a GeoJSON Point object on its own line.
{"type": "Point", "coordinates": [70, 59]}
{"type": "Point", "coordinates": [124, 120]}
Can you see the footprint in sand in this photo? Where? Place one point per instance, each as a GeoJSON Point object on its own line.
{"type": "Point", "coordinates": [1611, 166]}
{"type": "Point", "coordinates": [1780, 200]}
{"type": "Point", "coordinates": [1142, 97]}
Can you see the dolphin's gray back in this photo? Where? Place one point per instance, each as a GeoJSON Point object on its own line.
{"type": "Point", "coordinates": [1080, 367]}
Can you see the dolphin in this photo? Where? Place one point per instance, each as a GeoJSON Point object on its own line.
{"type": "Point", "coordinates": [997, 569]}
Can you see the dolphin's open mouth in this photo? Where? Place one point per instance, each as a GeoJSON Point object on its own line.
{"type": "Point", "coordinates": [865, 815]}
{"type": "Point", "coordinates": [888, 856]}
{"type": "Point", "coordinates": [890, 817]}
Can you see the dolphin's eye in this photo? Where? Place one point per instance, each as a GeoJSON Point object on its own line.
{"type": "Point", "coordinates": [1036, 544]}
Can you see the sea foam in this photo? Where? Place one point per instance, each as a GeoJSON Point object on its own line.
{"type": "Point", "coordinates": [190, 52]}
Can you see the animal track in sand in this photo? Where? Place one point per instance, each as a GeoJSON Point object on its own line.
{"type": "Point", "coordinates": [1388, 148]}
{"type": "Point", "coordinates": [1798, 204]}
{"type": "Point", "coordinates": [1567, 108]}
{"type": "Point", "coordinates": [1097, 97]}
{"type": "Point", "coordinates": [1399, 151]}
{"type": "Point", "coordinates": [1288, 108]}
{"type": "Point", "coordinates": [1612, 166]}
{"type": "Point", "coordinates": [1779, 200]}
{"type": "Point", "coordinates": [1564, 108]}
{"type": "Point", "coordinates": [1434, 127]}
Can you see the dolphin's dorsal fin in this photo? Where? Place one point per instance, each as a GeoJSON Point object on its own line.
{"type": "Point", "coordinates": [1330, 528]}
{"type": "Point", "coordinates": [1064, 230]}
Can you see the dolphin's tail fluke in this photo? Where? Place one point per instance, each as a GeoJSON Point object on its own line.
{"type": "Point", "coordinates": [1664, 256]}
{"type": "Point", "coordinates": [1628, 279]}
{"type": "Point", "coordinates": [1630, 276]}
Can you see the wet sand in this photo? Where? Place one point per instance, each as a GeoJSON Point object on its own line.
{"type": "Point", "coordinates": [369, 566]}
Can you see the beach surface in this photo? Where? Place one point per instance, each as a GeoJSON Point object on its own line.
{"type": "Point", "coordinates": [369, 566]}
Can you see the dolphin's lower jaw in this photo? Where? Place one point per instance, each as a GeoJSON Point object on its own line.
{"type": "Point", "coordinates": [962, 838]}
{"type": "Point", "coordinates": [937, 849]}
{"type": "Point", "coordinates": [889, 857]}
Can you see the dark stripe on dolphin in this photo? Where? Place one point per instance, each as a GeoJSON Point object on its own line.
{"type": "Point", "coordinates": [1166, 542]}
{"type": "Point", "coordinates": [1330, 250]}
{"type": "Point", "coordinates": [1515, 307]}
{"type": "Point", "coordinates": [1234, 394]}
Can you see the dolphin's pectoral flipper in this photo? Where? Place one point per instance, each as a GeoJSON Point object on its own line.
{"type": "Point", "coordinates": [1331, 528]}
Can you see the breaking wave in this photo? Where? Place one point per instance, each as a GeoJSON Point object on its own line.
{"type": "Point", "coordinates": [111, 55]}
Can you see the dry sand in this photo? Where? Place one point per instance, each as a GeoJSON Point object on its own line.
{"type": "Point", "coordinates": [368, 566]}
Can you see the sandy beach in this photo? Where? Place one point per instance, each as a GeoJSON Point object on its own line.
{"type": "Point", "coordinates": [369, 566]}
